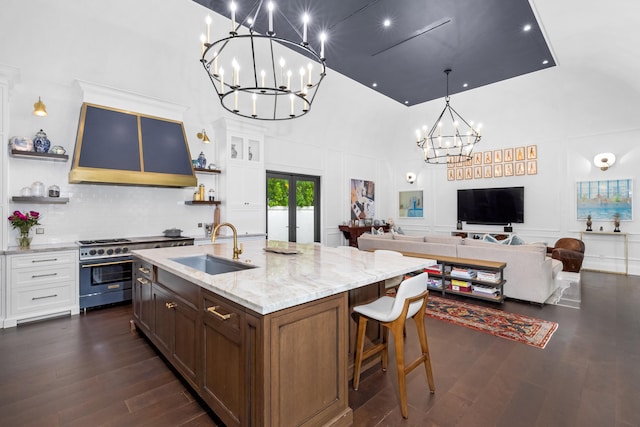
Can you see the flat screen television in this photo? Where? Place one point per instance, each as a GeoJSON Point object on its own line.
{"type": "Point", "coordinates": [493, 206]}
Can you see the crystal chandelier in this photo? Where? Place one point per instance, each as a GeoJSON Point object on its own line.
{"type": "Point", "coordinates": [263, 76]}
{"type": "Point", "coordinates": [451, 139]}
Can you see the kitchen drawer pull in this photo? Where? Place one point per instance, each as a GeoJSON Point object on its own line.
{"type": "Point", "coordinates": [171, 305]}
{"type": "Point", "coordinates": [212, 310]}
{"type": "Point", "coordinates": [143, 281]}
{"type": "Point", "coordinates": [144, 270]}
{"type": "Point", "coordinates": [44, 260]}
{"type": "Point", "coordinates": [46, 296]}
{"type": "Point", "coordinates": [34, 276]}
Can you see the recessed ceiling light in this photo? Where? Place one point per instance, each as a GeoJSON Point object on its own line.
{"type": "Point", "coordinates": [527, 27]}
{"type": "Point", "coordinates": [465, 84]}
{"type": "Point", "coordinates": [406, 102]}
{"type": "Point", "coordinates": [386, 22]}
{"type": "Point", "coordinates": [375, 85]}
{"type": "Point", "coordinates": [250, 21]}
{"type": "Point", "coordinates": [545, 62]}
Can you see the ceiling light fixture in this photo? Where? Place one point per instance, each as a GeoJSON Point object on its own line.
{"type": "Point", "coordinates": [260, 82]}
{"type": "Point", "coordinates": [203, 136]}
{"type": "Point", "coordinates": [39, 109]}
{"type": "Point", "coordinates": [527, 27]}
{"type": "Point", "coordinates": [451, 139]}
{"type": "Point", "coordinates": [387, 22]}
{"type": "Point", "coordinates": [604, 160]}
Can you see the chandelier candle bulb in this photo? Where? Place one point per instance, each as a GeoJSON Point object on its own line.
{"type": "Point", "coordinates": [323, 37]}
{"type": "Point", "coordinates": [235, 101]}
{"type": "Point", "coordinates": [254, 98]}
{"type": "Point", "coordinates": [305, 21]}
{"type": "Point", "coordinates": [202, 41]}
{"type": "Point", "coordinates": [233, 17]}
{"type": "Point", "coordinates": [309, 67]}
{"type": "Point", "coordinates": [282, 86]}
{"type": "Point", "coordinates": [208, 22]}
{"type": "Point", "coordinates": [301, 79]}
{"type": "Point", "coordinates": [292, 97]}
{"type": "Point", "coordinates": [236, 72]}
{"type": "Point", "coordinates": [289, 73]}
{"type": "Point", "coordinates": [222, 79]}
{"type": "Point", "coordinates": [262, 76]}
{"type": "Point", "coordinates": [270, 8]}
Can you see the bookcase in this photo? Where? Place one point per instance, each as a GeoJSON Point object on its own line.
{"type": "Point", "coordinates": [468, 277]}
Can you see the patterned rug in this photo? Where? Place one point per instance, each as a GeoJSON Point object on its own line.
{"type": "Point", "coordinates": [515, 327]}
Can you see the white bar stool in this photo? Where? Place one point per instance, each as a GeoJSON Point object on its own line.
{"type": "Point", "coordinates": [410, 301]}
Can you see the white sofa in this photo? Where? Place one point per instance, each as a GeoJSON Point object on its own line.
{"type": "Point", "coordinates": [529, 274]}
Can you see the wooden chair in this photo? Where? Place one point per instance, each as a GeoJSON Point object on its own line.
{"type": "Point", "coordinates": [410, 301]}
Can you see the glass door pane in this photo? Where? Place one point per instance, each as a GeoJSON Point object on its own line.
{"type": "Point", "coordinates": [305, 211]}
{"type": "Point", "coordinates": [278, 208]}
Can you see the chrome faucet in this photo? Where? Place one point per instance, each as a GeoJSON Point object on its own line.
{"type": "Point", "coordinates": [236, 251]}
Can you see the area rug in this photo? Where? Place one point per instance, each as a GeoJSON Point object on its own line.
{"type": "Point", "coordinates": [515, 327]}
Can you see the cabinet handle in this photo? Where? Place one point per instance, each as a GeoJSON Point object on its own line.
{"type": "Point", "coordinates": [46, 296]}
{"type": "Point", "coordinates": [142, 280]}
{"type": "Point", "coordinates": [171, 305]}
{"type": "Point", "coordinates": [33, 276]}
{"type": "Point", "coordinates": [144, 270]}
{"type": "Point", "coordinates": [44, 260]}
{"type": "Point", "coordinates": [212, 310]}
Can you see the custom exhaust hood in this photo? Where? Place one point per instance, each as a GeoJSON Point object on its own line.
{"type": "Point", "coordinates": [116, 146]}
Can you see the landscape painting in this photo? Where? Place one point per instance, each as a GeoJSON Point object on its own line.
{"type": "Point", "coordinates": [604, 199]}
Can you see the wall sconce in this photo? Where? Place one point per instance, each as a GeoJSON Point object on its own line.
{"type": "Point", "coordinates": [39, 109]}
{"type": "Point", "coordinates": [203, 136]}
{"type": "Point", "coordinates": [411, 177]}
{"type": "Point", "coordinates": [604, 160]}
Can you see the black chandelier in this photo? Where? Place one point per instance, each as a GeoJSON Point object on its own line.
{"type": "Point", "coordinates": [451, 139]}
{"type": "Point", "coordinates": [257, 75]}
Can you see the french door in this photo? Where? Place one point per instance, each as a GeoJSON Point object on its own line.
{"type": "Point", "coordinates": [293, 207]}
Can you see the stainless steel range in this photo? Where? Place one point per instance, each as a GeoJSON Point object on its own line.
{"type": "Point", "coordinates": [106, 267]}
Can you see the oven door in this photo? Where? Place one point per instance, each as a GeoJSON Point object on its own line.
{"type": "Point", "coordinates": [105, 281]}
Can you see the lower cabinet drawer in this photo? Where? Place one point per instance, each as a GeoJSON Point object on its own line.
{"type": "Point", "coordinates": [43, 298]}
{"type": "Point", "coordinates": [21, 278]}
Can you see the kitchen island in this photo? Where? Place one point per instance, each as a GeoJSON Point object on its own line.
{"type": "Point", "coordinates": [265, 346]}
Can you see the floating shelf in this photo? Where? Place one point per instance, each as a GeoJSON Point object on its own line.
{"type": "Point", "coordinates": [40, 200]}
{"type": "Point", "coordinates": [33, 154]}
{"type": "Point", "coordinates": [201, 202]}
{"type": "Point", "coordinates": [203, 170]}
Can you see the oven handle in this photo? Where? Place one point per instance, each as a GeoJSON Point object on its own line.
{"type": "Point", "coordinates": [107, 263]}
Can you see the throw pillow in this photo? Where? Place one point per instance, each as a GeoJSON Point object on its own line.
{"type": "Point", "coordinates": [377, 231]}
{"type": "Point", "coordinates": [400, 230]}
{"type": "Point", "coordinates": [506, 241]}
{"type": "Point", "coordinates": [489, 238]}
{"type": "Point", "coordinates": [515, 240]}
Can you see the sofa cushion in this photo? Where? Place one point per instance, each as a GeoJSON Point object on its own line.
{"type": "Point", "coordinates": [449, 240]}
{"type": "Point", "coordinates": [408, 238]}
{"type": "Point", "coordinates": [489, 238]}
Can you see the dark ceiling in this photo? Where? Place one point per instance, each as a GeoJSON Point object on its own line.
{"type": "Point", "coordinates": [481, 41]}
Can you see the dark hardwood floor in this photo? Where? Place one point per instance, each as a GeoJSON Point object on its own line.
{"type": "Point", "coordinates": [90, 370]}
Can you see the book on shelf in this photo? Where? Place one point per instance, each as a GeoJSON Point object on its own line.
{"type": "Point", "coordinates": [461, 283]}
{"type": "Point", "coordinates": [489, 276]}
{"type": "Point", "coordinates": [485, 290]}
{"type": "Point", "coordinates": [457, 288]}
{"type": "Point", "coordinates": [434, 283]}
{"type": "Point", "coordinates": [464, 273]}
{"type": "Point", "coordinates": [434, 269]}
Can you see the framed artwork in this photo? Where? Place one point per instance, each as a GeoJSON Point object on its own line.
{"type": "Point", "coordinates": [487, 157]}
{"type": "Point", "coordinates": [497, 170]}
{"type": "Point", "coordinates": [604, 199]}
{"type": "Point", "coordinates": [477, 172]}
{"type": "Point", "coordinates": [497, 156]}
{"type": "Point", "coordinates": [410, 204]}
{"type": "Point", "coordinates": [519, 154]}
{"type": "Point", "coordinates": [468, 173]}
{"type": "Point", "coordinates": [488, 171]}
{"type": "Point", "coordinates": [459, 173]}
{"type": "Point", "coordinates": [469, 162]}
{"type": "Point", "coordinates": [477, 158]}
{"type": "Point", "coordinates": [508, 155]}
{"type": "Point", "coordinates": [532, 167]}
{"type": "Point", "coordinates": [450, 163]}
{"type": "Point", "coordinates": [362, 199]}
{"type": "Point", "coordinates": [508, 169]}
{"type": "Point", "coordinates": [519, 168]}
{"type": "Point", "coordinates": [532, 152]}
{"type": "Point", "coordinates": [451, 174]}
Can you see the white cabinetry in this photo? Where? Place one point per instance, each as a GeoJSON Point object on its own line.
{"type": "Point", "coordinates": [41, 285]}
{"type": "Point", "coordinates": [244, 176]}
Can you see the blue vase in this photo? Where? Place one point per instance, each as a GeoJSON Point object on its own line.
{"type": "Point", "coordinates": [41, 143]}
{"type": "Point", "coordinates": [202, 160]}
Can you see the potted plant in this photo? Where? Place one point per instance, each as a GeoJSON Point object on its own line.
{"type": "Point", "coordinates": [23, 222]}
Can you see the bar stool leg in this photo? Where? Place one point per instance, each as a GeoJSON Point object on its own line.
{"type": "Point", "coordinates": [424, 346]}
{"type": "Point", "coordinates": [397, 328]}
{"type": "Point", "coordinates": [362, 327]}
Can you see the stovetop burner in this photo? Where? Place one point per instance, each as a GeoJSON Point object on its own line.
{"type": "Point", "coordinates": [102, 241]}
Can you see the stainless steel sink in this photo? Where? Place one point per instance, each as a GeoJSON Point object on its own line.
{"type": "Point", "coordinates": [212, 265]}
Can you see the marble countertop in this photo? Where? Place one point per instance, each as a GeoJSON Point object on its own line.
{"type": "Point", "coordinates": [49, 247]}
{"type": "Point", "coordinates": [281, 281]}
